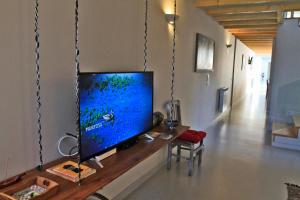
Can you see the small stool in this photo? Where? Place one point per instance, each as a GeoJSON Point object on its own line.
{"type": "Point", "coordinates": [192, 141]}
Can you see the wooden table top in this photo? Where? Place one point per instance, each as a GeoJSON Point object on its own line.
{"type": "Point", "coordinates": [114, 166]}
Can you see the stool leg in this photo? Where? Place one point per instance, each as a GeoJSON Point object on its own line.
{"type": "Point", "coordinates": [200, 154]}
{"type": "Point", "coordinates": [178, 153]}
{"type": "Point", "coordinates": [200, 157]}
{"type": "Point", "coordinates": [169, 159]}
{"type": "Point", "coordinates": [191, 160]}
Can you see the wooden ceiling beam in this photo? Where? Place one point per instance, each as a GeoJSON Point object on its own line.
{"type": "Point", "coordinates": [250, 22]}
{"type": "Point", "coordinates": [251, 26]}
{"type": "Point", "coordinates": [252, 8]}
{"type": "Point", "coordinates": [261, 49]}
{"type": "Point", "coordinates": [267, 50]}
{"type": "Point", "coordinates": [254, 22]}
{"type": "Point", "coordinates": [265, 46]}
{"type": "Point", "coordinates": [249, 42]}
{"type": "Point", "coordinates": [253, 46]}
{"type": "Point", "coordinates": [259, 46]}
{"type": "Point", "coordinates": [268, 30]}
{"type": "Point", "coordinates": [256, 43]}
{"type": "Point", "coordinates": [247, 16]}
{"type": "Point", "coordinates": [254, 38]}
{"type": "Point", "coordinates": [215, 3]}
{"type": "Point", "coordinates": [255, 34]}
{"type": "Point", "coordinates": [237, 30]}
{"type": "Point", "coordinates": [279, 16]}
{"type": "Point", "coordinates": [252, 31]}
{"type": "Point", "coordinates": [258, 38]}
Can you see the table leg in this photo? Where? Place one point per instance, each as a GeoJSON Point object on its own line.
{"type": "Point", "coordinates": [178, 153]}
{"type": "Point", "coordinates": [200, 154]}
{"type": "Point", "coordinates": [169, 159]}
{"type": "Point", "coordinates": [191, 160]}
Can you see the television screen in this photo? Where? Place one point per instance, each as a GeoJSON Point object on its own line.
{"type": "Point", "coordinates": [114, 107]}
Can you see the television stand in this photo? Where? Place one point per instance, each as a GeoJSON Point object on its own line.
{"type": "Point", "coordinates": [103, 156]}
{"type": "Point", "coordinates": [97, 160]}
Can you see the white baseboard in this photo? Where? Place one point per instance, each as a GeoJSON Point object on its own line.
{"type": "Point", "coordinates": [287, 143]}
{"type": "Point", "coordinates": [221, 116]}
{"type": "Point", "coordinates": [132, 179]}
{"type": "Point", "coordinates": [237, 102]}
{"type": "Point", "coordinates": [138, 183]}
{"type": "Point", "coordinates": [286, 146]}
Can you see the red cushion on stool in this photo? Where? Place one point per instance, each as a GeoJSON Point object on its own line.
{"type": "Point", "coordinates": [192, 136]}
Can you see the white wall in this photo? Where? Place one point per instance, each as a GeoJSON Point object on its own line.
{"type": "Point", "coordinates": [285, 73]}
{"type": "Point", "coordinates": [257, 84]}
{"type": "Point", "coordinates": [111, 39]}
{"type": "Point", "coordinates": [242, 75]}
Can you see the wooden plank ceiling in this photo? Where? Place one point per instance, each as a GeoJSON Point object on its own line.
{"type": "Point", "coordinates": [254, 22]}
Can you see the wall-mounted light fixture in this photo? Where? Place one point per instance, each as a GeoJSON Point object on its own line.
{"type": "Point", "coordinates": [228, 45]}
{"type": "Point", "coordinates": [170, 18]}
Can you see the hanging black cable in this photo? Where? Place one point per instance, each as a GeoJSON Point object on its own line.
{"type": "Point", "coordinates": [146, 36]}
{"type": "Point", "coordinates": [173, 64]}
{"type": "Point", "coordinates": [38, 85]}
{"type": "Point", "coordinates": [77, 65]}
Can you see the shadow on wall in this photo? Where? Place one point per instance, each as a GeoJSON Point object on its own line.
{"type": "Point", "coordinates": [288, 100]}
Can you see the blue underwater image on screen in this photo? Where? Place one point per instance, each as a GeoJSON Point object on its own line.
{"type": "Point", "coordinates": [114, 107]}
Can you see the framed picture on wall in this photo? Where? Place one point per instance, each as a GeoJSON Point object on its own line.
{"type": "Point", "coordinates": [205, 48]}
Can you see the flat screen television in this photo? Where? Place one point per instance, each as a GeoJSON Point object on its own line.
{"type": "Point", "coordinates": [114, 108]}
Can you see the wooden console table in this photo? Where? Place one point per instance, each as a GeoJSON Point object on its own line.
{"type": "Point", "coordinates": [114, 166]}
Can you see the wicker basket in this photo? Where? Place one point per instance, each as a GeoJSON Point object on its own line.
{"type": "Point", "coordinates": [50, 188]}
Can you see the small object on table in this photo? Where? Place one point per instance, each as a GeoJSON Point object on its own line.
{"type": "Point", "coordinates": [69, 170]}
{"type": "Point", "coordinates": [38, 188]}
{"type": "Point", "coordinates": [154, 134]}
{"type": "Point", "coordinates": [165, 136]}
{"type": "Point", "coordinates": [29, 193]}
{"type": "Point", "coordinates": [148, 137]}
{"type": "Point", "coordinates": [173, 114]}
{"type": "Point", "coordinates": [158, 117]}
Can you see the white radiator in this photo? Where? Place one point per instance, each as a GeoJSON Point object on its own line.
{"type": "Point", "coordinates": [223, 96]}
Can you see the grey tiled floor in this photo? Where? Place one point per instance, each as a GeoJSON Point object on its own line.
{"type": "Point", "coordinates": [238, 164]}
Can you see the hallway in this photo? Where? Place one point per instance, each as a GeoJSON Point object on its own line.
{"type": "Point", "coordinates": [238, 164]}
